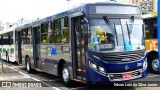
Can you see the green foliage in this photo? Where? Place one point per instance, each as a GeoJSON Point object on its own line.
{"type": "Point", "coordinates": [144, 12]}
{"type": "Point", "coordinates": [58, 24]}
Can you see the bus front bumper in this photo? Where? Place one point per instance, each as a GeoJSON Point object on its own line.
{"type": "Point", "coordinates": [115, 73]}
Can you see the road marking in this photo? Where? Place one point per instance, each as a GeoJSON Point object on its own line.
{"type": "Point", "coordinates": [153, 75]}
{"type": "Point", "coordinates": [54, 80]}
{"type": "Point", "coordinates": [79, 87]}
{"type": "Point", "coordinates": [13, 78]}
{"type": "Point", "coordinates": [32, 77]}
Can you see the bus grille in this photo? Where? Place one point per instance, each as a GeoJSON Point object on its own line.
{"type": "Point", "coordinates": [124, 57]}
{"type": "Point", "coordinates": [118, 76]}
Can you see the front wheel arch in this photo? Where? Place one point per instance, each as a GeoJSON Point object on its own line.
{"type": "Point", "coordinates": [61, 65]}
{"type": "Point", "coordinates": [151, 57]}
{"type": "Point", "coordinates": [65, 75]}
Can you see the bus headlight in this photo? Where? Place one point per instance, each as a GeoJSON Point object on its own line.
{"type": "Point", "coordinates": [101, 69]}
{"type": "Point", "coordinates": [92, 65]}
{"type": "Point", "coordinates": [144, 64]}
{"type": "Point", "coordinates": [97, 67]}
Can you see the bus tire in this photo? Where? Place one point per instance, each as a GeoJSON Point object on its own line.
{"type": "Point", "coordinates": [28, 65]}
{"type": "Point", "coordinates": [153, 64]}
{"type": "Point", "coordinates": [65, 75]}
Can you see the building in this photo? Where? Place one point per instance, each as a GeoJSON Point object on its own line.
{"type": "Point", "coordinates": [155, 5]}
{"type": "Point", "coordinates": [135, 2]}
{"type": "Point", "coordinates": [148, 6]}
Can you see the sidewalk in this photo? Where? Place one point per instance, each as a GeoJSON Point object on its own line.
{"type": "Point", "coordinates": [11, 79]}
{"type": "Point", "coordinates": [12, 75]}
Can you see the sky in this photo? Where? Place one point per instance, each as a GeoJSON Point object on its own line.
{"type": "Point", "coordinates": [14, 10]}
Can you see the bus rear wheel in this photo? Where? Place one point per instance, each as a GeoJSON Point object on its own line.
{"type": "Point", "coordinates": [153, 64]}
{"type": "Point", "coordinates": [28, 65]}
{"type": "Point", "coordinates": [65, 75]}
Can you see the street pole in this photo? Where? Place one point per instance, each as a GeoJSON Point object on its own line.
{"type": "Point", "coordinates": [21, 21]}
{"type": "Point", "coordinates": [68, 3]}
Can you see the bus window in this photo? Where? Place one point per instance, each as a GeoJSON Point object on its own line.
{"type": "Point", "coordinates": [44, 38]}
{"type": "Point", "coordinates": [61, 31]}
{"type": "Point", "coordinates": [29, 36]}
{"type": "Point", "coordinates": [10, 37]}
{"type": "Point", "coordinates": [29, 31]}
{"type": "Point", "coordinates": [50, 32]}
{"type": "Point", "coordinates": [5, 39]}
{"type": "Point", "coordinates": [65, 31]}
{"type": "Point", "coordinates": [24, 34]}
{"type": "Point", "coordinates": [150, 28]}
{"type": "Point", "coordinates": [57, 31]}
{"type": "Point", "coordinates": [44, 32]}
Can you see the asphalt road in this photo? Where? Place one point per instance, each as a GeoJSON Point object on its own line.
{"type": "Point", "coordinates": [56, 83]}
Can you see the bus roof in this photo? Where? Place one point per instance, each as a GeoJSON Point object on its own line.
{"type": "Point", "coordinates": [79, 8]}
{"type": "Point", "coordinates": [7, 30]}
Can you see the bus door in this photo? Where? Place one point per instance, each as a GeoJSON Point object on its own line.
{"type": "Point", "coordinates": [18, 43]}
{"type": "Point", "coordinates": [36, 47]}
{"type": "Point", "coordinates": [78, 52]}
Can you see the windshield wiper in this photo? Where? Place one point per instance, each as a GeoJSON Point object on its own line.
{"type": "Point", "coordinates": [108, 22]}
{"type": "Point", "coordinates": [116, 33]}
{"type": "Point", "coordinates": [113, 29]}
{"type": "Point", "coordinates": [129, 32]}
{"type": "Point", "coordinates": [129, 28]}
{"type": "Point", "coordinates": [132, 21]}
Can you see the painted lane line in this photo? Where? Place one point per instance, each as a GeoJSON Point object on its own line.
{"type": "Point", "coordinates": [32, 78]}
{"type": "Point", "coordinates": [79, 87]}
{"type": "Point", "coordinates": [153, 76]}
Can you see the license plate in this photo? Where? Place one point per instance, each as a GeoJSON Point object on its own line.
{"type": "Point", "coordinates": [127, 75]}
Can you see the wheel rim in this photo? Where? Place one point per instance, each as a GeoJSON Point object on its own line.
{"type": "Point", "coordinates": [28, 67]}
{"type": "Point", "coordinates": [65, 74]}
{"type": "Point", "coordinates": [155, 64]}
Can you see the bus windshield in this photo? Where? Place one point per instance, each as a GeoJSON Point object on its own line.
{"type": "Point", "coordinates": [102, 38]}
{"type": "Point", "coordinates": [136, 34]}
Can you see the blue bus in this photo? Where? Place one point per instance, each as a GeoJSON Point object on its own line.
{"type": "Point", "coordinates": [94, 43]}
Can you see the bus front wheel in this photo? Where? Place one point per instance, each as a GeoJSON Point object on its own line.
{"type": "Point", "coordinates": [65, 75]}
{"type": "Point", "coordinates": [153, 64]}
{"type": "Point", "coordinates": [28, 65]}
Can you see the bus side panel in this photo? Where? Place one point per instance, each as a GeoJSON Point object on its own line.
{"type": "Point", "coordinates": [11, 53]}
{"type": "Point", "coordinates": [24, 52]}
{"type": "Point", "coordinates": [27, 50]}
{"type": "Point", "coordinates": [54, 55]}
